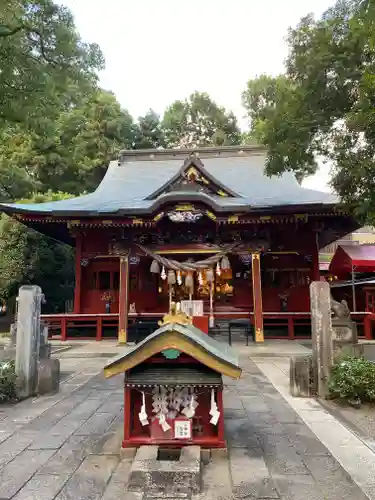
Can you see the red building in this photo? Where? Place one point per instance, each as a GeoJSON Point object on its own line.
{"type": "Point", "coordinates": [203, 224]}
{"type": "Point", "coordinates": [351, 272]}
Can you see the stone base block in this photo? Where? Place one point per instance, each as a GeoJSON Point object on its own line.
{"type": "Point", "coordinates": [48, 376]}
{"type": "Point", "coordinates": [169, 477]}
{"type": "Point", "coordinates": [218, 453]}
{"type": "Point", "coordinates": [127, 453]}
{"type": "Point", "coordinates": [301, 376]}
{"type": "Point", "coordinates": [344, 331]}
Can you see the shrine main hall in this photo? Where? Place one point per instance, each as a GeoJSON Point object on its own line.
{"type": "Point", "coordinates": [202, 228]}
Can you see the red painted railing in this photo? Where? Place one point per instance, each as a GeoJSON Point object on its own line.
{"type": "Point", "coordinates": [68, 326]}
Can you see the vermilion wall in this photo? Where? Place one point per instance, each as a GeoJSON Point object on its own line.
{"type": "Point", "coordinates": [284, 279]}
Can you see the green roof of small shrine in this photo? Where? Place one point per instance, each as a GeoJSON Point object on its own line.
{"type": "Point", "coordinates": [142, 181]}
{"type": "Point", "coordinates": [185, 338]}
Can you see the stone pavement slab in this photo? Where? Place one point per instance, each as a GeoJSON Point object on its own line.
{"type": "Point", "coordinates": [67, 446]}
{"type": "Point", "coordinates": [90, 479]}
{"type": "Point", "coordinates": [42, 487]}
{"type": "Point", "coordinates": [347, 454]}
{"type": "Point", "coordinates": [17, 472]}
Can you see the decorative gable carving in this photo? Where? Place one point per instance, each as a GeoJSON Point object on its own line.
{"type": "Point", "coordinates": [193, 177]}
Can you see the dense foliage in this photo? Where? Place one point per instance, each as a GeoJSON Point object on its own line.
{"type": "Point", "coordinates": [324, 104]}
{"type": "Point", "coordinates": [353, 379]}
{"type": "Point", "coordinates": [28, 257]}
{"type": "Point", "coordinates": [44, 63]}
{"type": "Point", "coordinates": [199, 121]}
{"type": "Point", "coordinates": [8, 381]}
{"type": "Point", "coordinates": [59, 130]}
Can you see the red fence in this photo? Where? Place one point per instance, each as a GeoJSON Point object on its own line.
{"type": "Point", "coordinates": [278, 325]}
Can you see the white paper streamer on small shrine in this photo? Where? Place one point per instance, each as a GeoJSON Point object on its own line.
{"type": "Point", "coordinates": [189, 410]}
{"type": "Point", "coordinates": [160, 406]}
{"type": "Point", "coordinates": [143, 417]}
{"type": "Point", "coordinates": [164, 424]}
{"type": "Point", "coordinates": [214, 412]}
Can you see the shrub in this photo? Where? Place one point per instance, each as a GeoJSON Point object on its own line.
{"type": "Point", "coordinates": [8, 379]}
{"type": "Point", "coordinates": [353, 379]}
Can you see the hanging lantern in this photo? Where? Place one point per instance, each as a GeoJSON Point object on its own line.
{"type": "Point", "coordinates": [209, 275]}
{"type": "Point", "coordinates": [171, 277]}
{"type": "Point", "coordinates": [225, 264]}
{"type": "Point", "coordinates": [155, 268]}
{"type": "Point", "coordinates": [218, 269]}
{"type": "Point", "coordinates": [189, 281]}
{"type": "Point", "coordinates": [200, 278]}
{"type": "Point", "coordinates": [163, 274]}
{"type": "Point", "coordinates": [179, 278]}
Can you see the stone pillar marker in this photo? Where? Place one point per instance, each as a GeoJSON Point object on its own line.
{"type": "Point", "coordinates": [321, 334]}
{"type": "Point", "coordinates": [28, 338]}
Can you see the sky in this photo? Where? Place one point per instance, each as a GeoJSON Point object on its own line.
{"type": "Point", "coordinates": [158, 51]}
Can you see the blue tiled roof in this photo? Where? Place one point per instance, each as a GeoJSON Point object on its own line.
{"type": "Point", "coordinates": [128, 183]}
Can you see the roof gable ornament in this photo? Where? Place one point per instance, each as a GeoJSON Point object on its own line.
{"type": "Point", "coordinates": [195, 178]}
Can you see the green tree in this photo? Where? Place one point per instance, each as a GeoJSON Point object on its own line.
{"type": "Point", "coordinates": [28, 257]}
{"type": "Point", "coordinates": [199, 121]}
{"type": "Point", "coordinates": [324, 104]}
{"type": "Point", "coordinates": [149, 132]}
{"type": "Point", "coordinates": [86, 138]}
{"type": "Point", "coordinates": [70, 154]}
{"type": "Point", "coordinates": [44, 62]}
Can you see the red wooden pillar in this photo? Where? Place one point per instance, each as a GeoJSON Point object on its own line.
{"type": "Point", "coordinates": [290, 328]}
{"type": "Point", "coordinates": [367, 326]}
{"type": "Point", "coordinates": [257, 297]}
{"type": "Point", "coordinates": [123, 300]}
{"type": "Point", "coordinates": [64, 329]}
{"type": "Point", "coordinates": [220, 424]}
{"type": "Point", "coordinates": [77, 288]}
{"type": "Point", "coordinates": [127, 417]}
{"type": "Point", "coordinates": [99, 328]}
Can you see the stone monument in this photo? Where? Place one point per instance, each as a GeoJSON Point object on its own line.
{"type": "Point", "coordinates": [332, 330]}
{"type": "Point", "coordinates": [37, 372]}
{"type": "Point", "coordinates": [344, 330]}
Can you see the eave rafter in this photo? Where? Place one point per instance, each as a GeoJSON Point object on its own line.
{"type": "Point", "coordinates": [183, 213]}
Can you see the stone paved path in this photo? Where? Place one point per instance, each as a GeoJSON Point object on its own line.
{"type": "Point", "coordinates": [66, 446]}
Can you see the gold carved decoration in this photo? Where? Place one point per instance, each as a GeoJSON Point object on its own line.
{"type": "Point", "coordinates": [73, 223]}
{"type": "Point", "coordinates": [158, 216]}
{"type": "Point", "coordinates": [211, 215]}
{"type": "Point", "coordinates": [122, 337]}
{"type": "Point", "coordinates": [176, 316]}
{"type": "Point", "coordinates": [233, 218]}
{"type": "Point", "coordinates": [184, 208]}
{"type": "Point", "coordinates": [222, 193]}
{"type": "Point", "coordinates": [302, 217]}
{"type": "Point", "coordinates": [259, 337]}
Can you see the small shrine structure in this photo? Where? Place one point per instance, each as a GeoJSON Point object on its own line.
{"type": "Point", "coordinates": [173, 386]}
{"type": "Point", "coordinates": [204, 227]}
{"type": "Point", "coordinates": [352, 278]}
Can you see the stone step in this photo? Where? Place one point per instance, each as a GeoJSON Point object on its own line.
{"type": "Point", "coordinates": [166, 496]}
{"type": "Point", "coordinates": [154, 476]}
